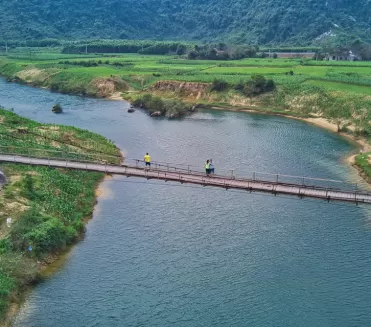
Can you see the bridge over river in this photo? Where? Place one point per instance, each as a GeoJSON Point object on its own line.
{"type": "Point", "coordinates": [303, 187]}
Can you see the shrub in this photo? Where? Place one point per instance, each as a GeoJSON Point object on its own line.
{"type": "Point", "coordinates": [218, 85]}
{"type": "Point", "coordinates": [239, 85]}
{"type": "Point", "coordinates": [44, 233]}
{"type": "Point", "coordinates": [258, 85]}
{"type": "Point", "coordinates": [57, 108]}
{"type": "Point", "coordinates": [173, 108]}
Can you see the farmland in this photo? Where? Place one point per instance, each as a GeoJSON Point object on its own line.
{"type": "Point", "coordinates": [302, 85]}
{"type": "Point", "coordinates": [153, 68]}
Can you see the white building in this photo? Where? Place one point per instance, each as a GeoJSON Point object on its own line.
{"type": "Point", "coordinates": [347, 56]}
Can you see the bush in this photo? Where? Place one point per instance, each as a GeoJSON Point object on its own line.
{"type": "Point", "coordinates": [57, 108]}
{"type": "Point", "coordinates": [44, 233]}
{"type": "Point", "coordinates": [218, 85]}
{"type": "Point", "coordinates": [16, 271]}
{"type": "Point", "coordinates": [258, 85]}
{"type": "Point", "coordinates": [5, 246]}
{"type": "Point", "coordinates": [270, 85]}
{"type": "Point", "coordinates": [239, 86]}
{"type": "Point", "coordinates": [173, 108]}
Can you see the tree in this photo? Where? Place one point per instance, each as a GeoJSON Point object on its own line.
{"type": "Point", "coordinates": [192, 55]}
{"type": "Point", "coordinates": [257, 85]}
{"type": "Point", "coordinates": [270, 85]}
{"type": "Point", "coordinates": [181, 49]}
{"type": "Point", "coordinates": [337, 111]}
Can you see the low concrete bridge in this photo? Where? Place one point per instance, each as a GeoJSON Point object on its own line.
{"type": "Point", "coordinates": [268, 183]}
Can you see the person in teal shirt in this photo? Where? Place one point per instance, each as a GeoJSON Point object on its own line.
{"type": "Point", "coordinates": [211, 166]}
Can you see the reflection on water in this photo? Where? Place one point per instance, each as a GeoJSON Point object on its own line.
{"type": "Point", "coordinates": [160, 254]}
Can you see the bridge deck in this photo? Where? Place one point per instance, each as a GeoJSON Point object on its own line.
{"type": "Point", "coordinates": [200, 179]}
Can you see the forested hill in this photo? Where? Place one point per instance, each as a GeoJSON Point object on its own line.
{"type": "Point", "coordinates": [254, 21]}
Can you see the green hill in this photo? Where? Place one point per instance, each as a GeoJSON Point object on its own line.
{"type": "Point", "coordinates": [254, 21]}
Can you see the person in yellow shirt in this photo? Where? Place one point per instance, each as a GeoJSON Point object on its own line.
{"type": "Point", "coordinates": [147, 160]}
{"type": "Point", "coordinates": [207, 167]}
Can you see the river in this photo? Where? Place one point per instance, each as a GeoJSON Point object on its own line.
{"type": "Point", "coordinates": [160, 254]}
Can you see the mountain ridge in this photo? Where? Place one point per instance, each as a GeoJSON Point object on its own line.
{"type": "Point", "coordinates": [238, 21]}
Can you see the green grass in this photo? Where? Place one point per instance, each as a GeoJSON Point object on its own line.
{"type": "Point", "coordinates": [361, 161]}
{"type": "Point", "coordinates": [336, 86]}
{"type": "Point", "coordinates": [72, 77]}
{"type": "Point", "coordinates": [141, 70]}
{"type": "Point", "coordinates": [47, 205]}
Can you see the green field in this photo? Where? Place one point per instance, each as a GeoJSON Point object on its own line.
{"type": "Point", "coordinates": [340, 86]}
{"type": "Point", "coordinates": [333, 89]}
{"type": "Point", "coordinates": [342, 76]}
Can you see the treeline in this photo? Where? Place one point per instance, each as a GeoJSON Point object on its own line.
{"type": "Point", "coordinates": [290, 49]}
{"type": "Point", "coordinates": [219, 51]}
{"type": "Point", "coordinates": [93, 63]}
{"type": "Point", "coordinates": [31, 43]}
{"type": "Point", "coordinates": [144, 47]}
{"type": "Point", "coordinates": [222, 51]}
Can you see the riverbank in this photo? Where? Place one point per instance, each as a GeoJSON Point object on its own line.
{"type": "Point", "coordinates": [48, 207]}
{"type": "Point", "coordinates": [326, 108]}
{"type": "Point", "coordinates": [295, 104]}
{"type": "Point", "coordinates": [358, 160]}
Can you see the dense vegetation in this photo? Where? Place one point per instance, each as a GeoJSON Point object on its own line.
{"type": "Point", "coordinates": [254, 22]}
{"type": "Point", "coordinates": [221, 51]}
{"type": "Point", "coordinates": [156, 106]}
{"type": "Point", "coordinates": [47, 206]}
{"type": "Point", "coordinates": [117, 46]}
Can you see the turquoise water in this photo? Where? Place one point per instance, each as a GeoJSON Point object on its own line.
{"type": "Point", "coordinates": [160, 254]}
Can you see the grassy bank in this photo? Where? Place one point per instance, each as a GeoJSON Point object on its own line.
{"type": "Point", "coordinates": [336, 90]}
{"type": "Point", "coordinates": [48, 207]}
{"type": "Point", "coordinates": [339, 91]}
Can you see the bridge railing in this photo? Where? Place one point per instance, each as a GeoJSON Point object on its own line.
{"type": "Point", "coordinates": [330, 184]}
{"type": "Point", "coordinates": [181, 168]}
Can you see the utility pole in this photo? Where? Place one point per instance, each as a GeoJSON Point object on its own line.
{"type": "Point", "coordinates": [86, 49]}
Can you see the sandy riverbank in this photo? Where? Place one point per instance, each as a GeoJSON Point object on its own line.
{"type": "Point", "coordinates": [360, 142]}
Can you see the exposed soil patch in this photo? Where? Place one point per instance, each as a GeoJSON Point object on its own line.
{"type": "Point", "coordinates": [194, 90]}
{"type": "Point", "coordinates": [106, 87]}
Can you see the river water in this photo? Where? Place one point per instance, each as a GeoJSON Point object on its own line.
{"type": "Point", "coordinates": [160, 254]}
